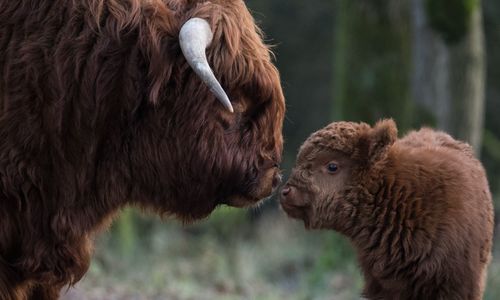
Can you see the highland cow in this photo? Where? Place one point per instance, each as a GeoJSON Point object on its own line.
{"type": "Point", "coordinates": [418, 210]}
{"type": "Point", "coordinates": [173, 106]}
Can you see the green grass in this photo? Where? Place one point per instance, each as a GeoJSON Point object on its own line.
{"type": "Point", "coordinates": [229, 256]}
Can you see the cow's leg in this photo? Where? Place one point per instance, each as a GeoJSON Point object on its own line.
{"type": "Point", "coordinates": [44, 293]}
{"type": "Point", "coordinates": [12, 285]}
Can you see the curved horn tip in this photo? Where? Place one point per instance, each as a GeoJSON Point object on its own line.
{"type": "Point", "coordinates": [228, 106]}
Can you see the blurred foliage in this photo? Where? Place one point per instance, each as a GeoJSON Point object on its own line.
{"type": "Point", "coordinates": [303, 39]}
{"type": "Point", "coordinates": [491, 145]}
{"type": "Point", "coordinates": [451, 18]}
{"type": "Point", "coordinates": [337, 254]}
{"type": "Point", "coordinates": [126, 235]}
{"type": "Point", "coordinates": [281, 260]}
{"type": "Point", "coordinates": [372, 65]}
{"type": "Point", "coordinates": [491, 10]}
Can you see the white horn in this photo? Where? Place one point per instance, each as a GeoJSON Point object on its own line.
{"type": "Point", "coordinates": [195, 36]}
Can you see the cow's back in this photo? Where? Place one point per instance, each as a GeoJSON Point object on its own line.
{"type": "Point", "coordinates": [467, 225]}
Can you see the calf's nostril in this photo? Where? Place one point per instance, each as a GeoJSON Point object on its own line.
{"type": "Point", "coordinates": [285, 191]}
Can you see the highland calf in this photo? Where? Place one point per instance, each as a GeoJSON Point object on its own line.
{"type": "Point", "coordinates": [173, 106]}
{"type": "Point", "coordinates": [418, 210]}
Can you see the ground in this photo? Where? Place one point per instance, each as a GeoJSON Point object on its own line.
{"type": "Point", "coordinates": [229, 256]}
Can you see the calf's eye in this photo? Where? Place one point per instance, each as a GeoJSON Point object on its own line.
{"type": "Point", "coordinates": [332, 168]}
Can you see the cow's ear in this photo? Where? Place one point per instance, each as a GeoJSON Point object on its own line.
{"type": "Point", "coordinates": [375, 142]}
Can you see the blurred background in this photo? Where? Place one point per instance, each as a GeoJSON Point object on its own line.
{"type": "Point", "coordinates": [421, 62]}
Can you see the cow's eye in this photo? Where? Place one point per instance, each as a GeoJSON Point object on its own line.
{"type": "Point", "coordinates": [332, 168]}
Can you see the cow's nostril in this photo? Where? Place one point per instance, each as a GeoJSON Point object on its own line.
{"type": "Point", "coordinates": [285, 191]}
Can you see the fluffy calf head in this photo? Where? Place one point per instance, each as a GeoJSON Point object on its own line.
{"type": "Point", "coordinates": [336, 168]}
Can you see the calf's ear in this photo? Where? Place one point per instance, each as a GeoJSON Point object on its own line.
{"type": "Point", "coordinates": [375, 141]}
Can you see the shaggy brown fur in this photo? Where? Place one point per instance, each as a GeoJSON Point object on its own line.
{"type": "Point", "coordinates": [418, 210]}
{"type": "Point", "coordinates": [99, 109]}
